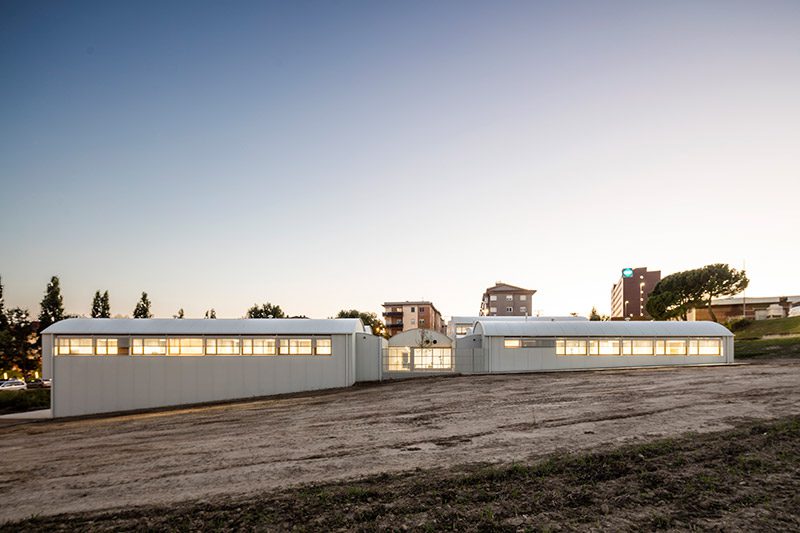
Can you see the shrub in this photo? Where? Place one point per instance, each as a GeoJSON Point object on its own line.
{"type": "Point", "coordinates": [19, 401]}
{"type": "Point", "coordinates": [739, 324]}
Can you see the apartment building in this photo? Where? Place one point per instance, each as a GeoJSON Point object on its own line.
{"type": "Point", "coordinates": [506, 300]}
{"type": "Point", "coordinates": [629, 294]}
{"type": "Point", "coordinates": [403, 316]}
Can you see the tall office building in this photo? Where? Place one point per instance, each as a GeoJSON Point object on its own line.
{"type": "Point", "coordinates": [629, 294]}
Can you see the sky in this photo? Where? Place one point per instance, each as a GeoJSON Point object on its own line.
{"type": "Point", "coordinates": [323, 155]}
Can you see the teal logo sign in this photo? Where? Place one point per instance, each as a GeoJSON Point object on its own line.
{"type": "Point", "coordinates": [627, 272]}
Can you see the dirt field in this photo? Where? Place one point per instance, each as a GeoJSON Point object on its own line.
{"type": "Point", "coordinates": [239, 449]}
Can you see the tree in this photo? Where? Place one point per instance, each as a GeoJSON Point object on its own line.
{"type": "Point", "coordinates": [369, 319]}
{"type": "Point", "coordinates": [3, 318]}
{"type": "Point", "coordinates": [594, 315]}
{"type": "Point", "coordinates": [266, 310]}
{"type": "Point", "coordinates": [52, 305]}
{"type": "Point", "coordinates": [100, 306]}
{"type": "Point", "coordinates": [19, 349]}
{"type": "Point", "coordinates": [211, 313]}
{"type": "Point", "coordinates": [180, 313]}
{"type": "Point", "coordinates": [142, 309]}
{"type": "Point", "coordinates": [676, 294]}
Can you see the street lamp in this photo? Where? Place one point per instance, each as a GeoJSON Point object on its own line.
{"type": "Point", "coordinates": [625, 313]}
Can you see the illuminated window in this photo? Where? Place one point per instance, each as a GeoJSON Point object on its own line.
{"type": "Point", "coordinates": [538, 343]}
{"type": "Point", "coordinates": [604, 347]}
{"type": "Point", "coordinates": [627, 347]}
{"type": "Point", "coordinates": [433, 359]}
{"type": "Point", "coordinates": [106, 347]}
{"type": "Point", "coordinates": [74, 346]}
{"type": "Point", "coordinates": [660, 347]}
{"type": "Point", "coordinates": [185, 346]}
{"type": "Point", "coordinates": [642, 347]}
{"type": "Point", "coordinates": [512, 343]}
{"type": "Point", "coordinates": [295, 346]}
{"type": "Point", "coordinates": [574, 347]}
{"type": "Point", "coordinates": [398, 359]}
{"type": "Point", "coordinates": [462, 330]}
{"type": "Point", "coordinates": [323, 347]}
{"type": "Point", "coordinates": [709, 347]}
{"type": "Point", "coordinates": [676, 347]}
{"type": "Point", "coordinates": [258, 346]}
{"type": "Point", "coordinates": [222, 346]}
{"type": "Point", "coordinates": [149, 346]}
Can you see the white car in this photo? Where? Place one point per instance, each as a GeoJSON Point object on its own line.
{"type": "Point", "coordinates": [13, 384]}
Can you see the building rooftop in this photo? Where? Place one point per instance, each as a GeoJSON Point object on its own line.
{"type": "Point", "coordinates": [200, 326]}
{"type": "Point", "coordinates": [599, 329]}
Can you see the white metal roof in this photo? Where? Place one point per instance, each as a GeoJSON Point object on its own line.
{"type": "Point", "coordinates": [472, 319]}
{"type": "Point", "coordinates": [739, 300]}
{"type": "Point", "coordinates": [601, 329]}
{"type": "Point", "coordinates": [200, 326]}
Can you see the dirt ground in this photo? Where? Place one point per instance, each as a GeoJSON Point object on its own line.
{"type": "Point", "coordinates": [239, 449]}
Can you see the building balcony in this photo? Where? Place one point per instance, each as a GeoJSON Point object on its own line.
{"type": "Point", "coordinates": [392, 313]}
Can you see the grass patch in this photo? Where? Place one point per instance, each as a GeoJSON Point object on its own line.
{"type": "Point", "coordinates": [747, 478]}
{"type": "Point", "coordinates": [765, 348]}
{"type": "Point", "coordinates": [773, 326]}
{"type": "Point", "coordinates": [20, 401]}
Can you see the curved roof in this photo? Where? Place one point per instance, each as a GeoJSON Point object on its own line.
{"type": "Point", "coordinates": [201, 326]}
{"type": "Point", "coordinates": [473, 319]}
{"type": "Point", "coordinates": [601, 329]}
{"type": "Point", "coordinates": [412, 338]}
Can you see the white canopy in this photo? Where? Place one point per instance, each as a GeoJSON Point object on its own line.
{"type": "Point", "coordinates": [600, 329]}
{"type": "Point", "coordinates": [221, 326]}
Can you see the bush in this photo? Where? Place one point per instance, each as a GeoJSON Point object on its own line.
{"type": "Point", "coordinates": [738, 324]}
{"type": "Point", "coordinates": [19, 401]}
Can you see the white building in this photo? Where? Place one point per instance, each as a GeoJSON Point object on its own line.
{"type": "Point", "coordinates": [108, 365]}
{"type": "Point", "coordinates": [459, 326]}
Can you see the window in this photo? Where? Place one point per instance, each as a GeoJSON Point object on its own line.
{"type": "Point", "coordinates": [413, 321]}
{"type": "Point", "coordinates": [398, 359]}
{"type": "Point", "coordinates": [258, 346]}
{"type": "Point", "coordinates": [433, 359]}
{"type": "Point", "coordinates": [509, 297]}
{"type": "Point", "coordinates": [642, 347]}
{"type": "Point", "coordinates": [295, 346]}
{"type": "Point", "coordinates": [222, 346]}
{"type": "Point", "coordinates": [74, 346]}
{"type": "Point", "coordinates": [106, 347]}
{"type": "Point", "coordinates": [523, 309]}
{"type": "Point", "coordinates": [676, 347]}
{"type": "Point", "coordinates": [413, 310]}
{"type": "Point", "coordinates": [705, 347]}
{"type": "Point", "coordinates": [492, 309]}
{"type": "Point", "coordinates": [421, 321]}
{"type": "Point", "coordinates": [421, 309]}
{"type": "Point", "coordinates": [538, 343]}
{"type": "Point", "coordinates": [149, 346]}
{"type": "Point", "coordinates": [660, 347]}
{"type": "Point", "coordinates": [627, 347]}
{"type": "Point", "coordinates": [509, 309]}
{"type": "Point", "coordinates": [185, 346]}
{"type": "Point", "coordinates": [604, 347]}
{"type": "Point", "coordinates": [523, 297]}
{"type": "Point", "coordinates": [323, 347]}
{"type": "Point", "coordinates": [571, 347]}
{"type": "Point", "coordinates": [462, 330]}
{"type": "Point", "coordinates": [512, 343]}
{"type": "Point", "coordinates": [493, 298]}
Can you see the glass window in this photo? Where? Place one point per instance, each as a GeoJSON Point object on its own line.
{"type": "Point", "coordinates": [323, 347]}
{"type": "Point", "coordinates": [149, 346]}
{"type": "Point", "coordinates": [493, 298]}
{"type": "Point", "coordinates": [709, 347]}
{"type": "Point", "coordinates": [627, 347]}
{"type": "Point", "coordinates": [185, 346]}
{"type": "Point", "coordinates": [604, 347]}
{"type": "Point", "coordinates": [222, 346]}
{"type": "Point", "coordinates": [258, 346]}
{"type": "Point", "coordinates": [509, 297]}
{"type": "Point", "coordinates": [512, 343]}
{"type": "Point", "coordinates": [660, 347]}
{"type": "Point", "coordinates": [561, 347]}
{"type": "Point", "coordinates": [642, 347]}
{"type": "Point", "coordinates": [492, 309]}
{"type": "Point", "coordinates": [509, 309]}
{"type": "Point", "coordinates": [432, 359]}
{"type": "Point", "coordinates": [398, 359]}
{"type": "Point", "coordinates": [462, 330]}
{"type": "Point", "coordinates": [575, 347]}
{"type": "Point", "coordinates": [538, 343]}
{"type": "Point", "coordinates": [523, 297]}
{"type": "Point", "coordinates": [107, 347]}
{"type": "Point", "coordinates": [74, 346]}
{"type": "Point", "coordinates": [295, 346]}
{"type": "Point", "coordinates": [522, 308]}
{"type": "Point", "coordinates": [676, 347]}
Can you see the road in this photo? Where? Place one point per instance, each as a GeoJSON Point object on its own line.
{"type": "Point", "coordinates": [236, 449]}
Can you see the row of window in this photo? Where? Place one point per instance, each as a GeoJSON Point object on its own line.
{"type": "Point", "coordinates": [509, 309]}
{"type": "Point", "coordinates": [615, 346]}
{"type": "Point", "coordinates": [509, 297]}
{"type": "Point", "coordinates": [191, 346]}
{"type": "Point", "coordinates": [407, 359]}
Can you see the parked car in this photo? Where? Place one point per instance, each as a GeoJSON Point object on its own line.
{"type": "Point", "coordinates": [39, 384]}
{"type": "Point", "coordinates": [13, 384]}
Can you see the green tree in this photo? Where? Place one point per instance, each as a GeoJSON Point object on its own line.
{"type": "Point", "coordinates": [3, 318]}
{"type": "Point", "coordinates": [719, 280]}
{"type": "Point", "coordinates": [211, 313]}
{"type": "Point", "coordinates": [594, 315]}
{"type": "Point", "coordinates": [142, 309]}
{"type": "Point", "coordinates": [100, 306]}
{"type": "Point", "coordinates": [266, 310]}
{"type": "Point", "coordinates": [19, 343]}
{"type": "Point", "coordinates": [369, 319]}
{"type": "Point", "coordinates": [52, 305]}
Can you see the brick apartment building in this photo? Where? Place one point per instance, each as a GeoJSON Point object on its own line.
{"type": "Point", "coordinates": [629, 294]}
{"type": "Point", "coordinates": [506, 300]}
{"type": "Point", "coordinates": [403, 316]}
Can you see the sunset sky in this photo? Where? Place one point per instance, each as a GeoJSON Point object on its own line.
{"type": "Point", "coordinates": [327, 155]}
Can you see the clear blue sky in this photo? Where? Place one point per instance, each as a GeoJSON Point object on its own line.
{"type": "Point", "coordinates": [327, 155]}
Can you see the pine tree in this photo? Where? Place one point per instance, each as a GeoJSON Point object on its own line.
{"type": "Point", "coordinates": [52, 305]}
{"type": "Point", "coordinates": [105, 306]}
{"type": "Point", "coordinates": [3, 317]}
{"type": "Point", "coordinates": [142, 309]}
{"type": "Point", "coordinates": [97, 303]}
